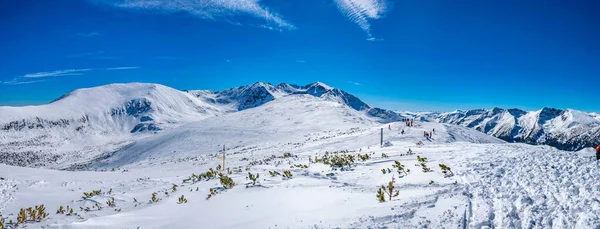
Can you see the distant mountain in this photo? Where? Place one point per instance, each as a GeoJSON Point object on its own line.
{"type": "Point", "coordinates": [564, 129]}
{"type": "Point", "coordinates": [257, 94]}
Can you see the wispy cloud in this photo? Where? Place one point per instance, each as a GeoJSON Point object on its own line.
{"type": "Point", "coordinates": [90, 34]}
{"type": "Point", "coordinates": [355, 83]}
{"type": "Point", "coordinates": [37, 76]}
{"type": "Point", "coordinates": [122, 68]}
{"type": "Point", "coordinates": [170, 58]}
{"type": "Point", "coordinates": [228, 61]}
{"type": "Point", "coordinates": [207, 9]}
{"type": "Point", "coordinates": [300, 61]}
{"type": "Point", "coordinates": [361, 11]}
{"type": "Point", "coordinates": [16, 82]}
{"type": "Point", "coordinates": [66, 72]}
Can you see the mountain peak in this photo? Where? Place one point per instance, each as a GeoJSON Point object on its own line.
{"type": "Point", "coordinates": [319, 84]}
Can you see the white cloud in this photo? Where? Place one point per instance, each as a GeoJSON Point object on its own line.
{"type": "Point", "coordinates": [122, 68]}
{"type": "Point", "coordinates": [355, 83]}
{"type": "Point", "coordinates": [66, 72]}
{"type": "Point", "coordinates": [300, 61]}
{"type": "Point", "coordinates": [361, 11]}
{"type": "Point", "coordinates": [90, 34]}
{"type": "Point", "coordinates": [17, 82]}
{"type": "Point", "coordinates": [228, 61]}
{"type": "Point", "coordinates": [207, 9]}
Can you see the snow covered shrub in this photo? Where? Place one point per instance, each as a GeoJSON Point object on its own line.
{"type": "Point", "coordinates": [174, 188]}
{"type": "Point", "coordinates": [389, 190]}
{"type": "Point", "coordinates": [446, 170]}
{"type": "Point", "coordinates": [253, 178]}
{"type": "Point", "coordinates": [364, 157]}
{"type": "Point", "coordinates": [111, 202]}
{"type": "Point", "coordinates": [212, 192]}
{"type": "Point", "coordinates": [181, 200]}
{"type": "Point", "coordinates": [226, 181]}
{"type": "Point", "coordinates": [154, 199]}
{"type": "Point", "coordinates": [431, 182]}
{"type": "Point", "coordinates": [383, 155]}
{"type": "Point", "coordinates": [287, 174]}
{"type": "Point", "coordinates": [274, 173]}
{"type": "Point", "coordinates": [400, 168]}
{"type": "Point", "coordinates": [60, 210]}
{"type": "Point", "coordinates": [22, 216]}
{"type": "Point", "coordinates": [287, 154]}
{"type": "Point", "coordinates": [87, 195]}
{"type": "Point", "coordinates": [2, 222]}
{"type": "Point", "coordinates": [301, 166]}
{"type": "Point", "coordinates": [409, 152]}
{"type": "Point", "coordinates": [421, 159]}
{"type": "Point", "coordinates": [425, 168]}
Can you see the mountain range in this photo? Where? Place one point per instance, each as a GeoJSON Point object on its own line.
{"type": "Point", "coordinates": [90, 123]}
{"type": "Point", "coordinates": [564, 129]}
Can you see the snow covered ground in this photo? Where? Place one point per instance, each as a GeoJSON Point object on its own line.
{"type": "Point", "coordinates": [495, 185]}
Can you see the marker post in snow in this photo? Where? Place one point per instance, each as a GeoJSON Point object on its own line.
{"type": "Point", "coordinates": [382, 137]}
{"type": "Point", "coordinates": [222, 157]}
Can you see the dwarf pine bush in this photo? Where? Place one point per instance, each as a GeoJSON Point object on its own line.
{"type": "Point", "coordinates": [364, 157]}
{"type": "Point", "coordinates": [301, 166]}
{"type": "Point", "coordinates": [446, 170]}
{"type": "Point", "coordinates": [226, 181]}
{"type": "Point", "coordinates": [400, 168]}
{"type": "Point", "coordinates": [87, 195]}
{"type": "Point", "coordinates": [383, 155]}
{"type": "Point", "coordinates": [287, 174]}
{"type": "Point", "coordinates": [431, 182]}
{"type": "Point", "coordinates": [60, 210]}
{"type": "Point", "coordinates": [287, 154]}
{"type": "Point", "coordinates": [2, 222]}
{"type": "Point", "coordinates": [22, 216]}
{"type": "Point", "coordinates": [274, 173]}
{"type": "Point", "coordinates": [154, 199]}
{"type": "Point", "coordinates": [212, 192]}
{"type": "Point", "coordinates": [174, 188]}
{"type": "Point", "coordinates": [111, 202]}
{"type": "Point", "coordinates": [253, 178]}
{"type": "Point", "coordinates": [181, 200]}
{"type": "Point", "coordinates": [389, 190]}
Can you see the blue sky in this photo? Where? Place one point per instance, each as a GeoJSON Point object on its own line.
{"type": "Point", "coordinates": [407, 55]}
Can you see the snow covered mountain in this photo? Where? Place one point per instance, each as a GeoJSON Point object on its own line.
{"type": "Point", "coordinates": [245, 97]}
{"type": "Point", "coordinates": [91, 122]}
{"type": "Point", "coordinates": [564, 129]}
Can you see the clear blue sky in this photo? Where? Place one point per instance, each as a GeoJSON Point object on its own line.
{"type": "Point", "coordinates": [406, 55]}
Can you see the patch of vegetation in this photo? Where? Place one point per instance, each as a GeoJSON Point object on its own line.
{"type": "Point", "coordinates": [253, 178]}
{"type": "Point", "coordinates": [337, 160]}
{"type": "Point", "coordinates": [383, 155]}
{"type": "Point", "coordinates": [446, 170]}
{"type": "Point", "coordinates": [388, 191]}
{"type": "Point", "coordinates": [62, 210]}
{"type": "Point", "coordinates": [181, 200]}
{"type": "Point", "coordinates": [87, 195]}
{"type": "Point", "coordinates": [154, 198]}
{"type": "Point", "coordinates": [301, 166]}
{"type": "Point", "coordinates": [111, 202]}
{"type": "Point", "coordinates": [174, 188]}
{"type": "Point", "coordinates": [226, 181]}
{"type": "Point", "coordinates": [401, 169]}
{"type": "Point", "coordinates": [423, 161]}
{"type": "Point", "coordinates": [287, 154]}
{"type": "Point", "coordinates": [274, 173]}
{"type": "Point", "coordinates": [431, 182]}
{"type": "Point", "coordinates": [212, 192]}
{"type": "Point", "coordinates": [36, 214]}
{"type": "Point", "coordinates": [364, 157]}
{"type": "Point", "coordinates": [287, 174]}
{"type": "Point", "coordinates": [386, 170]}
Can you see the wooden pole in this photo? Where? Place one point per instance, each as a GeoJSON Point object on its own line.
{"type": "Point", "coordinates": [223, 156]}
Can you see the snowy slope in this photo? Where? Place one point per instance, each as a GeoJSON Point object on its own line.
{"type": "Point", "coordinates": [92, 121]}
{"type": "Point", "coordinates": [565, 129]}
{"type": "Point", "coordinates": [287, 123]}
{"type": "Point", "coordinates": [495, 185]}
